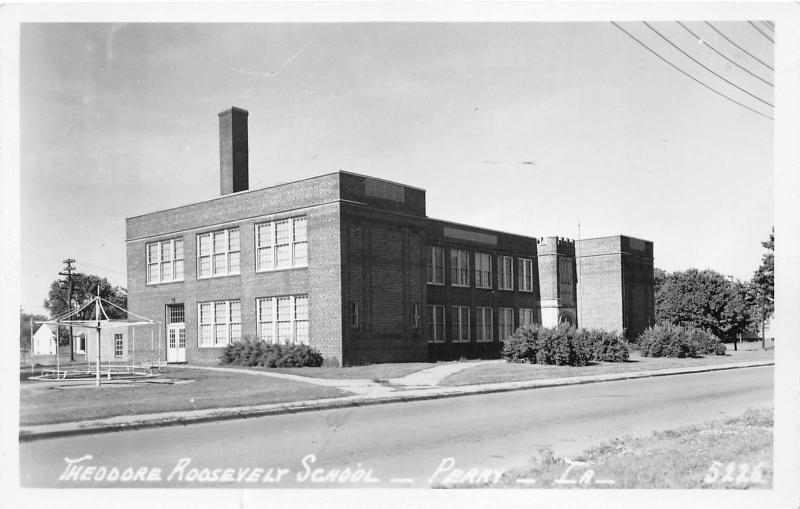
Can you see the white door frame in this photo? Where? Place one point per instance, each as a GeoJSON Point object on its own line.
{"type": "Point", "coordinates": [176, 342]}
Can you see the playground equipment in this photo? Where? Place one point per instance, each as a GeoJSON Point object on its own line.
{"type": "Point", "coordinates": [125, 370]}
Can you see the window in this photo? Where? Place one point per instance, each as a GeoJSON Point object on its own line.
{"type": "Point", "coordinates": [483, 270]}
{"type": "Point", "coordinates": [435, 266]}
{"type": "Point", "coordinates": [282, 244]}
{"type": "Point", "coordinates": [526, 317]}
{"type": "Point", "coordinates": [118, 345]}
{"type": "Point", "coordinates": [354, 318]}
{"type": "Point", "coordinates": [505, 267]}
{"type": "Point", "coordinates": [460, 324]}
{"type": "Point", "coordinates": [218, 253]}
{"type": "Point", "coordinates": [525, 271]}
{"type": "Point", "coordinates": [505, 323]}
{"type": "Point", "coordinates": [165, 261]}
{"type": "Point", "coordinates": [220, 323]}
{"type": "Point", "coordinates": [175, 313]}
{"type": "Point", "coordinates": [436, 314]}
{"type": "Point", "coordinates": [565, 279]}
{"type": "Point", "coordinates": [415, 316]}
{"type": "Point", "coordinates": [301, 319]}
{"type": "Point", "coordinates": [483, 324]}
{"type": "Point", "coordinates": [459, 267]}
{"type": "Point", "coordinates": [283, 319]}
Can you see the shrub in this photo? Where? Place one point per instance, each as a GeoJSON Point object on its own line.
{"type": "Point", "coordinates": [707, 343]}
{"type": "Point", "coordinates": [521, 346]}
{"type": "Point", "coordinates": [252, 352]}
{"type": "Point", "coordinates": [602, 345]}
{"type": "Point", "coordinates": [563, 347]}
{"type": "Point", "coordinates": [541, 345]}
{"type": "Point", "coordinates": [668, 340]}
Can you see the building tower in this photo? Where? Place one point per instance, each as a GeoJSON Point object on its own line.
{"type": "Point", "coordinates": [616, 287]}
{"type": "Point", "coordinates": [557, 281]}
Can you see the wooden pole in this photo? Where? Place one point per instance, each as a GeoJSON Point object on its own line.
{"type": "Point", "coordinates": [58, 364]}
{"type": "Point", "coordinates": [30, 347]}
{"type": "Point", "coordinates": [97, 317]}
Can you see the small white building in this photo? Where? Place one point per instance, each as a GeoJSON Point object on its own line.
{"type": "Point", "coordinates": [44, 341]}
{"type": "Point", "coordinates": [113, 345]}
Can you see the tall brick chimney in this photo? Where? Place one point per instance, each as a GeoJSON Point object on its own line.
{"type": "Point", "coordinates": [233, 165]}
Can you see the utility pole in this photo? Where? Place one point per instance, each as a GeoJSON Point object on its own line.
{"type": "Point", "coordinates": [579, 301]}
{"type": "Point", "coordinates": [68, 268]}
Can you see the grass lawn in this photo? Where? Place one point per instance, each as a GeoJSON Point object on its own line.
{"type": "Point", "coordinates": [369, 371]}
{"type": "Point", "coordinates": [680, 458]}
{"type": "Point", "coordinates": [512, 372]}
{"type": "Point", "coordinates": [52, 402]}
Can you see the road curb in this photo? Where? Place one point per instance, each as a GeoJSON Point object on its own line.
{"type": "Point", "coordinates": [31, 433]}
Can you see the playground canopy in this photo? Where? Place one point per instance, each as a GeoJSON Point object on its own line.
{"type": "Point", "coordinates": [100, 322]}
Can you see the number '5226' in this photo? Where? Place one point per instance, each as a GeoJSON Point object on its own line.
{"type": "Point", "coordinates": [735, 473]}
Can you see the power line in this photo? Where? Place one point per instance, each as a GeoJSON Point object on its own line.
{"type": "Point", "coordinates": [102, 268]}
{"type": "Point", "coordinates": [740, 48]}
{"type": "Point", "coordinates": [689, 75]}
{"type": "Point", "coordinates": [770, 23]}
{"type": "Point", "coordinates": [704, 66]}
{"type": "Point", "coordinates": [706, 44]}
{"type": "Point", "coordinates": [769, 27]}
{"type": "Point", "coordinates": [761, 32]}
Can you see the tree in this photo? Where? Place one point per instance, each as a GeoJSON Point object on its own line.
{"type": "Point", "coordinates": [705, 299]}
{"type": "Point", "coordinates": [25, 327]}
{"type": "Point", "coordinates": [659, 276]}
{"type": "Point", "coordinates": [84, 288]}
{"type": "Point", "coordinates": [764, 280]}
{"type": "Point", "coordinates": [762, 287]}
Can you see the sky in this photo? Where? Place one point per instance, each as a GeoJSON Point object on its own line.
{"type": "Point", "coordinates": [530, 128]}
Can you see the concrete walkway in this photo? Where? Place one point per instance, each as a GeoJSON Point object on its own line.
{"type": "Point", "coordinates": [424, 379]}
{"type": "Point", "coordinates": [366, 398]}
{"type": "Point", "coordinates": [361, 386]}
{"type": "Point", "coordinates": [432, 377]}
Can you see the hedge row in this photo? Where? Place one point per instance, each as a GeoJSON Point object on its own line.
{"type": "Point", "coordinates": [253, 352]}
{"type": "Point", "coordinates": [668, 340]}
{"type": "Point", "coordinates": [564, 346]}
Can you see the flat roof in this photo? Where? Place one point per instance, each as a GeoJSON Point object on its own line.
{"type": "Point", "coordinates": [490, 230]}
{"type": "Point", "coordinates": [239, 193]}
{"type": "Point", "coordinates": [613, 236]}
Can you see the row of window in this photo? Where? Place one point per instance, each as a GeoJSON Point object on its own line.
{"type": "Point", "coordinates": [460, 324]}
{"type": "Point", "coordinates": [278, 245]}
{"type": "Point", "coordinates": [484, 277]}
{"type": "Point", "coordinates": [278, 320]}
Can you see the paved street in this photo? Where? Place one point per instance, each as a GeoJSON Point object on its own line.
{"type": "Point", "coordinates": [402, 444]}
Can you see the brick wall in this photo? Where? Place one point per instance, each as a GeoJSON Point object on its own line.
{"type": "Point", "coordinates": [615, 284]}
{"type": "Point", "coordinates": [381, 271]}
{"type": "Point", "coordinates": [477, 240]}
{"type": "Point", "coordinates": [557, 280]}
{"type": "Point", "coordinates": [320, 280]}
{"type": "Point", "coordinates": [237, 207]}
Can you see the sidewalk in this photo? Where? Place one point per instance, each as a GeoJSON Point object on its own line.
{"type": "Point", "coordinates": [424, 379]}
{"type": "Point", "coordinates": [362, 397]}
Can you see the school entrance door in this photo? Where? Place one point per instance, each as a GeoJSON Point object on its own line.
{"type": "Point", "coordinates": [176, 333]}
